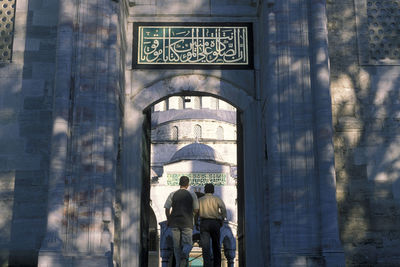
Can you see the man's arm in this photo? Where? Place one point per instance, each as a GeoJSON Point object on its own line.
{"type": "Point", "coordinates": [222, 208]}
{"type": "Point", "coordinates": [167, 206]}
{"type": "Point", "coordinates": [167, 213]}
{"type": "Point", "coordinates": [195, 203]}
{"type": "Point", "coordinates": [195, 209]}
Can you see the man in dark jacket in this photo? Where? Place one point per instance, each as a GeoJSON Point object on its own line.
{"type": "Point", "coordinates": [184, 205]}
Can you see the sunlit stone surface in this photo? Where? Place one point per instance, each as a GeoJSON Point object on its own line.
{"type": "Point", "coordinates": [306, 142]}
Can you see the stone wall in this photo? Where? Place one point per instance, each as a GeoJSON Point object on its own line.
{"type": "Point", "coordinates": [26, 93]}
{"type": "Point", "coordinates": [84, 145]}
{"type": "Point", "coordinates": [286, 146]}
{"type": "Point", "coordinates": [366, 111]}
{"type": "Point", "coordinates": [365, 100]}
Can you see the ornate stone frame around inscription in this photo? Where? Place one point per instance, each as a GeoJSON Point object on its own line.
{"type": "Point", "coordinates": [363, 37]}
{"type": "Point", "coordinates": [141, 65]}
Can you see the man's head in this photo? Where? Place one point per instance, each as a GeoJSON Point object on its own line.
{"type": "Point", "coordinates": [184, 181]}
{"type": "Point", "coordinates": [209, 188]}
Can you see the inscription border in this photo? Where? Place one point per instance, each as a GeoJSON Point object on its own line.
{"type": "Point", "coordinates": [199, 178]}
{"type": "Point", "coordinates": [248, 25]}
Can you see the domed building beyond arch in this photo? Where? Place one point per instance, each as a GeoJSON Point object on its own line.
{"type": "Point", "coordinates": [199, 152]}
{"type": "Point", "coordinates": [202, 164]}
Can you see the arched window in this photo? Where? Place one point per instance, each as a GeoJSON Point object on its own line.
{"type": "Point", "coordinates": [213, 103]}
{"type": "Point", "coordinates": [220, 133]}
{"type": "Point", "coordinates": [175, 102]}
{"type": "Point", "coordinates": [161, 106]}
{"type": "Point", "coordinates": [174, 133]}
{"type": "Point", "coordinates": [180, 103]}
{"type": "Point", "coordinates": [196, 102]}
{"type": "Point", "coordinates": [197, 131]}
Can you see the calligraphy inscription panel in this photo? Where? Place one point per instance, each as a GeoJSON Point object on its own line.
{"type": "Point", "coordinates": [196, 45]}
{"type": "Point", "coordinates": [198, 179]}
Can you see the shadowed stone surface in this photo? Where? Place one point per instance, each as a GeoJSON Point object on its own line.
{"type": "Point", "coordinates": [318, 151]}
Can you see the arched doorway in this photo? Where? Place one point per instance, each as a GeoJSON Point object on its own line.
{"type": "Point", "coordinates": [198, 140]}
{"type": "Point", "coordinates": [137, 152]}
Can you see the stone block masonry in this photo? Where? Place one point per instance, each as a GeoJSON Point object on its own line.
{"type": "Point", "coordinates": [365, 103]}
{"type": "Point", "coordinates": [60, 117]}
{"type": "Point", "coordinates": [26, 96]}
{"type": "Point", "coordinates": [83, 165]}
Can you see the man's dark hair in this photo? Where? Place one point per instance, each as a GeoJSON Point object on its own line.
{"type": "Point", "coordinates": [209, 188]}
{"type": "Point", "coordinates": [184, 181]}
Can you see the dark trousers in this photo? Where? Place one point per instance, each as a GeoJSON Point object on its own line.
{"type": "Point", "coordinates": [209, 229]}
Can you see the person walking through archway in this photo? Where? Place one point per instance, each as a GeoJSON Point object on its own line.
{"type": "Point", "coordinates": [212, 213]}
{"type": "Point", "coordinates": [184, 205]}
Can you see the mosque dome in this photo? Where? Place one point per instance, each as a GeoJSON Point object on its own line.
{"type": "Point", "coordinates": [197, 151]}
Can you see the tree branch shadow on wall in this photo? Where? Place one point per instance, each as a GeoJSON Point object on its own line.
{"type": "Point", "coordinates": [31, 160]}
{"type": "Point", "coordinates": [30, 210]}
{"type": "Point", "coordinates": [365, 110]}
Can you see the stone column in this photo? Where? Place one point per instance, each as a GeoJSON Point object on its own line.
{"type": "Point", "coordinates": [50, 253]}
{"type": "Point", "coordinates": [331, 247]}
{"type": "Point", "coordinates": [271, 107]}
{"type": "Point", "coordinates": [295, 109]}
{"type": "Point", "coordinates": [95, 131]}
{"type": "Point", "coordinates": [86, 122]}
{"type": "Point", "coordinates": [229, 244]}
{"type": "Point", "coordinates": [132, 161]}
{"type": "Point", "coordinates": [166, 248]}
{"type": "Point", "coordinates": [254, 187]}
{"type": "Point", "coordinates": [294, 224]}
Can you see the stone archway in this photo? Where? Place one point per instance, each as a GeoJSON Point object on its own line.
{"type": "Point", "coordinates": [136, 153]}
{"type": "Point", "coordinates": [191, 83]}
